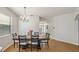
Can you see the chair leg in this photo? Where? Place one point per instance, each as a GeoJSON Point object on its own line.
{"type": "Point", "coordinates": [48, 44]}
{"type": "Point", "coordinates": [14, 43]}
{"type": "Point", "coordinates": [19, 48]}
{"type": "Point", "coordinates": [41, 44]}
{"type": "Point", "coordinates": [31, 47]}
{"type": "Point", "coordinates": [37, 48]}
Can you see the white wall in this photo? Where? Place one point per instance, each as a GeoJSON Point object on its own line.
{"type": "Point", "coordinates": [64, 28]}
{"type": "Point", "coordinates": [76, 13]}
{"type": "Point", "coordinates": [26, 26]}
{"type": "Point", "coordinates": [5, 41]}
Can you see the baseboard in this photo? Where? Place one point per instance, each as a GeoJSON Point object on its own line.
{"type": "Point", "coordinates": [7, 47]}
{"type": "Point", "coordinates": [67, 42]}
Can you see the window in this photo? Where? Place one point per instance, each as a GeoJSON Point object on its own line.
{"type": "Point", "coordinates": [5, 27]}
{"type": "Point", "coordinates": [43, 28]}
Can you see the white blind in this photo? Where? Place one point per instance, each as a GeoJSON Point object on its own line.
{"type": "Point", "coordinates": [5, 27]}
{"type": "Point", "coordinates": [4, 19]}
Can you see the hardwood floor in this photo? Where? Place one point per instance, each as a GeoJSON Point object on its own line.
{"type": "Point", "coordinates": [54, 46]}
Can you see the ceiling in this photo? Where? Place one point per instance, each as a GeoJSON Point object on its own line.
{"type": "Point", "coordinates": [44, 12]}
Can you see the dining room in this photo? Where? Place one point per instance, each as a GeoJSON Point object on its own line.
{"type": "Point", "coordinates": [39, 29]}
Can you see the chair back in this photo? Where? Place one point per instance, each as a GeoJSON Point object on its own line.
{"type": "Point", "coordinates": [48, 36]}
{"type": "Point", "coordinates": [35, 38]}
{"type": "Point", "coordinates": [36, 33]}
{"type": "Point", "coordinates": [22, 38]}
{"type": "Point", "coordinates": [14, 36]}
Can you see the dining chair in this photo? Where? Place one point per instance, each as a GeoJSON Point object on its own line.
{"type": "Point", "coordinates": [15, 38]}
{"type": "Point", "coordinates": [36, 33]}
{"type": "Point", "coordinates": [34, 41]}
{"type": "Point", "coordinates": [48, 38]}
{"type": "Point", "coordinates": [22, 41]}
{"type": "Point", "coordinates": [45, 40]}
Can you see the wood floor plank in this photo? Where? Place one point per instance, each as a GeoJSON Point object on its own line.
{"type": "Point", "coordinates": [54, 46]}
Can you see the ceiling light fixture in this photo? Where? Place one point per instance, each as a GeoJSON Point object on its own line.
{"type": "Point", "coordinates": [24, 17]}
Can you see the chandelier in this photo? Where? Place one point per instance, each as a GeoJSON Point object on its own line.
{"type": "Point", "coordinates": [24, 17]}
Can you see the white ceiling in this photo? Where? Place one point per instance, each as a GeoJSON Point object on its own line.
{"type": "Point", "coordinates": [45, 12]}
